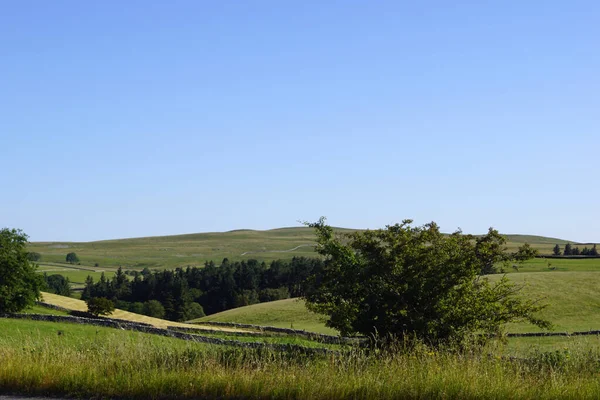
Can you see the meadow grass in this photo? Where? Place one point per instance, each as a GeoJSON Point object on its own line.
{"type": "Point", "coordinates": [274, 339]}
{"type": "Point", "coordinates": [288, 313]}
{"type": "Point", "coordinates": [86, 361]}
{"type": "Point", "coordinates": [572, 299]}
{"type": "Point", "coordinates": [559, 265]}
{"type": "Point", "coordinates": [78, 277]}
{"type": "Point", "coordinates": [36, 309]}
{"type": "Point", "coordinates": [195, 249]}
{"type": "Point", "coordinates": [523, 346]}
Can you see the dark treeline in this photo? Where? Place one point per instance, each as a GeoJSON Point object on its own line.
{"type": "Point", "coordinates": [57, 284]}
{"type": "Point", "coordinates": [187, 293]}
{"type": "Point", "coordinates": [574, 251]}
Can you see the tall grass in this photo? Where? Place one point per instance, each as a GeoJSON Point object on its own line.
{"type": "Point", "coordinates": [139, 367]}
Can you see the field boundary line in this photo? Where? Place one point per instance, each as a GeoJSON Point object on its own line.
{"type": "Point", "coordinates": [108, 323]}
{"type": "Point", "coordinates": [298, 332]}
{"type": "Point", "coordinates": [277, 251]}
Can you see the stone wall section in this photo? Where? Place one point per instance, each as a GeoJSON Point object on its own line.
{"type": "Point", "coordinates": [320, 337]}
{"type": "Point", "coordinates": [106, 322]}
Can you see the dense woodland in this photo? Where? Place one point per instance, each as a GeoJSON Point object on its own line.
{"type": "Point", "coordinates": [186, 293]}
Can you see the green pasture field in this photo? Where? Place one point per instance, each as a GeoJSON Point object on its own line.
{"type": "Point", "coordinates": [274, 339]}
{"type": "Point", "coordinates": [526, 346]}
{"type": "Point", "coordinates": [59, 334]}
{"type": "Point", "coordinates": [558, 264]}
{"type": "Point", "coordinates": [79, 277]}
{"type": "Point", "coordinates": [183, 250]}
{"type": "Point", "coordinates": [43, 310]}
{"type": "Point", "coordinates": [288, 313]}
{"type": "Point", "coordinates": [195, 249]}
{"type": "Point", "coordinates": [66, 266]}
{"type": "Point", "coordinates": [69, 360]}
{"type": "Point", "coordinates": [572, 297]}
{"type": "Point", "coordinates": [573, 305]}
{"type": "Point", "coordinates": [77, 274]}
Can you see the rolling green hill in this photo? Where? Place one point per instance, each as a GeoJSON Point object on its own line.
{"type": "Point", "coordinates": [573, 299]}
{"type": "Point", "coordinates": [195, 249]}
{"type": "Point", "coordinates": [79, 305]}
{"type": "Point", "coordinates": [288, 313]}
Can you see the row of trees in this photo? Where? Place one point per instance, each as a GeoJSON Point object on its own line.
{"type": "Point", "coordinates": [189, 293]}
{"type": "Point", "coordinates": [71, 258]}
{"type": "Point", "coordinates": [574, 251]}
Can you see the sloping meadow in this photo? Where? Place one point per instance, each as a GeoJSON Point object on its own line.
{"type": "Point", "coordinates": [45, 358]}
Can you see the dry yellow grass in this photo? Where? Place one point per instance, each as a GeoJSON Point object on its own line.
{"type": "Point", "coordinates": [79, 305]}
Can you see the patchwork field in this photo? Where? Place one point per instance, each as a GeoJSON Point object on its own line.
{"type": "Point", "coordinates": [195, 249]}
{"type": "Point", "coordinates": [79, 305]}
{"type": "Point", "coordinates": [555, 367]}
{"type": "Point", "coordinates": [558, 264]}
{"type": "Point", "coordinates": [288, 313]}
{"type": "Point", "coordinates": [572, 298]}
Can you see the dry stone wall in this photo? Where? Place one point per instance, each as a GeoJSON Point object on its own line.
{"type": "Point", "coordinates": [145, 328]}
{"type": "Point", "coordinates": [329, 339]}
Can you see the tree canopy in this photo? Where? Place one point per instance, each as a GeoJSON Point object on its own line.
{"type": "Point", "coordinates": [416, 282]}
{"type": "Point", "coordinates": [100, 306]}
{"type": "Point", "coordinates": [20, 285]}
{"type": "Point", "coordinates": [58, 284]}
{"type": "Point", "coordinates": [72, 258]}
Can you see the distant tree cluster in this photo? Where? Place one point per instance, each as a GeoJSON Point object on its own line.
{"type": "Point", "coordinates": [58, 284]}
{"type": "Point", "coordinates": [189, 293]}
{"type": "Point", "coordinates": [574, 251]}
{"type": "Point", "coordinates": [33, 256]}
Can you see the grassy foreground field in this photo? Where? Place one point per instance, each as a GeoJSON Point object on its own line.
{"type": "Point", "coordinates": [85, 361]}
{"type": "Point", "coordinates": [195, 249]}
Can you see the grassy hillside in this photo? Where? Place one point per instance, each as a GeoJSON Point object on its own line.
{"type": "Point", "coordinates": [289, 313]}
{"type": "Point", "coordinates": [79, 305]}
{"type": "Point", "coordinates": [76, 273]}
{"type": "Point", "coordinates": [572, 297]}
{"type": "Point", "coordinates": [79, 361]}
{"type": "Point", "coordinates": [195, 249]}
{"type": "Point", "coordinates": [43, 310]}
{"type": "Point", "coordinates": [559, 264]}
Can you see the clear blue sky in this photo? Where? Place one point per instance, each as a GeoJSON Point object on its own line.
{"type": "Point", "coordinates": [138, 118]}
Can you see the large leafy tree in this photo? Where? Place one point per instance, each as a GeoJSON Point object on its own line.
{"type": "Point", "coordinates": [19, 283]}
{"type": "Point", "coordinates": [416, 282]}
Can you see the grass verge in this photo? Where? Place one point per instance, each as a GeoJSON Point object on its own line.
{"type": "Point", "coordinates": [87, 361]}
